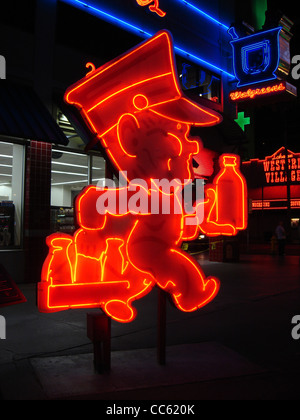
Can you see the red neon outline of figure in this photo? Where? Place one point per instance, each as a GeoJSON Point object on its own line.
{"type": "Point", "coordinates": [215, 206]}
{"type": "Point", "coordinates": [80, 270]}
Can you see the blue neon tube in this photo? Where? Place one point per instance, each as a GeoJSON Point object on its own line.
{"type": "Point", "coordinates": [140, 32]}
{"type": "Point", "coordinates": [204, 14]}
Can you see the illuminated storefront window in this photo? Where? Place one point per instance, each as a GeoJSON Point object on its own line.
{"type": "Point", "coordinates": [12, 157]}
{"type": "Point", "coordinates": [98, 170]}
{"type": "Point", "coordinates": [70, 173]}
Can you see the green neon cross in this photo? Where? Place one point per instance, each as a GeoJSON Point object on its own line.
{"type": "Point", "coordinates": [242, 121]}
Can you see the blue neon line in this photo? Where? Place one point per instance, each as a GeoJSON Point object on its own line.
{"type": "Point", "coordinates": [256, 35]}
{"type": "Point", "coordinates": [203, 61]}
{"type": "Point", "coordinates": [205, 14]}
{"type": "Point", "coordinates": [245, 57]}
{"type": "Point", "coordinates": [111, 17]}
{"type": "Point", "coordinates": [135, 29]}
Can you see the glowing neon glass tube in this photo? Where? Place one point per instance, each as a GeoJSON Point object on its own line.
{"type": "Point", "coordinates": [124, 24]}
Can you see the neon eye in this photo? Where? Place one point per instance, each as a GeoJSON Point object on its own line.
{"type": "Point", "coordinates": [178, 126]}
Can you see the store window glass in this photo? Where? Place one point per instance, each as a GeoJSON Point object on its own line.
{"type": "Point", "coordinates": [12, 158]}
{"type": "Point", "coordinates": [69, 175]}
{"type": "Point", "coordinates": [98, 170]}
{"type": "Point", "coordinates": [200, 82]}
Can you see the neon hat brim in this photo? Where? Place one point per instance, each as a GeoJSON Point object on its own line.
{"type": "Point", "coordinates": [185, 111]}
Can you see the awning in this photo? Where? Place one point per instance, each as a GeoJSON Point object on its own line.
{"type": "Point", "coordinates": [24, 116]}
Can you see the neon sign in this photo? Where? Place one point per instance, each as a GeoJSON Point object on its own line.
{"type": "Point", "coordinates": [143, 121]}
{"type": "Point", "coordinates": [275, 204]}
{"type": "Point", "coordinates": [225, 210]}
{"type": "Point", "coordinates": [256, 57]}
{"type": "Point", "coordinates": [138, 29]}
{"type": "Point", "coordinates": [204, 14]}
{"type": "Point", "coordinates": [241, 95]}
{"type": "Point", "coordinates": [276, 167]}
{"type": "Point", "coordinates": [152, 7]}
{"type": "Point", "coordinates": [242, 121]}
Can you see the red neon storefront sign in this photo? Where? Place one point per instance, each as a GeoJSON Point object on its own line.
{"type": "Point", "coordinates": [277, 166]}
{"type": "Point", "coordinates": [275, 204]}
{"type": "Point", "coordinates": [142, 120]}
{"type": "Point", "coordinates": [251, 94]}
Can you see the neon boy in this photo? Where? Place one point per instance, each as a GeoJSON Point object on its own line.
{"type": "Point", "coordinates": [135, 108]}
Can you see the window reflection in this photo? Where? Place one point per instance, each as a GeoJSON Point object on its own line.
{"type": "Point", "coordinates": [11, 194]}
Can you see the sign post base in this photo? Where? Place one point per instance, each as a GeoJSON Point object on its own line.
{"type": "Point", "coordinates": [99, 332]}
{"type": "Point", "coordinates": [161, 330]}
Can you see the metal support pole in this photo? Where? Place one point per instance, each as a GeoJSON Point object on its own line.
{"type": "Point", "coordinates": [161, 327]}
{"type": "Point", "coordinates": [99, 332]}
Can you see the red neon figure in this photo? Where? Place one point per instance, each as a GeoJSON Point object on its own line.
{"type": "Point", "coordinates": [135, 108]}
{"type": "Point", "coordinates": [153, 8]}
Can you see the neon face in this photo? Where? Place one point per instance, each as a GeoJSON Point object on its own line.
{"type": "Point", "coordinates": [143, 121]}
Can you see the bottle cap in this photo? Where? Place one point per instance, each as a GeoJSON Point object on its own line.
{"type": "Point", "coordinates": [229, 160]}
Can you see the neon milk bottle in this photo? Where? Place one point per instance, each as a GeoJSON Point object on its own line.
{"type": "Point", "coordinates": [231, 193]}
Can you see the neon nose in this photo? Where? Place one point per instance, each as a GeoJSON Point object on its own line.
{"type": "Point", "coordinates": [194, 147]}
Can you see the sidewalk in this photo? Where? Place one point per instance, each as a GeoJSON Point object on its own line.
{"type": "Point", "coordinates": [238, 347]}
